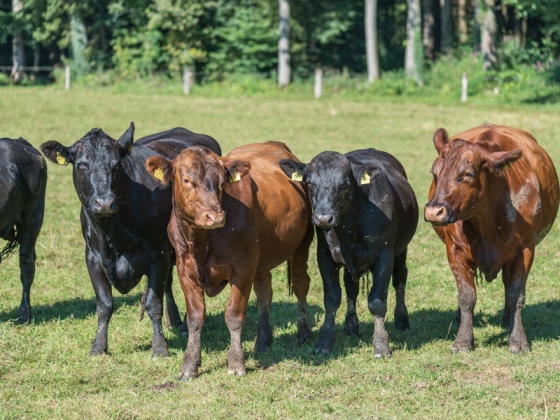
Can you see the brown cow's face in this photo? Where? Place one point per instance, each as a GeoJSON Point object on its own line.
{"type": "Point", "coordinates": [198, 176]}
{"type": "Point", "coordinates": [461, 174]}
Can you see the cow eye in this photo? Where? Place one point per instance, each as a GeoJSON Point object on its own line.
{"type": "Point", "coordinates": [82, 166]}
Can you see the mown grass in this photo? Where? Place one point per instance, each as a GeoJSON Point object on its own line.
{"type": "Point", "coordinates": [45, 370]}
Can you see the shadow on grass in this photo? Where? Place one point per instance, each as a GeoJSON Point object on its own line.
{"type": "Point", "coordinates": [550, 98]}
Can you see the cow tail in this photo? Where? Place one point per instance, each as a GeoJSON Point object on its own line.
{"type": "Point", "coordinates": [143, 303]}
{"type": "Point", "coordinates": [289, 275]}
{"type": "Point", "coordinates": [9, 249]}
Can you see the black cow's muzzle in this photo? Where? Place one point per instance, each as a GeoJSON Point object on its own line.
{"type": "Point", "coordinates": [439, 214]}
{"type": "Point", "coordinates": [104, 206]}
{"type": "Point", "coordinates": [325, 220]}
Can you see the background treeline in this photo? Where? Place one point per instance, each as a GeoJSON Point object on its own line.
{"type": "Point", "coordinates": [131, 39]}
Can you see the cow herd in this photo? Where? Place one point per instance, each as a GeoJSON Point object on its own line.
{"type": "Point", "coordinates": [232, 219]}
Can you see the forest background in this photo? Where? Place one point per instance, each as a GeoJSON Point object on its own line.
{"type": "Point", "coordinates": [508, 48]}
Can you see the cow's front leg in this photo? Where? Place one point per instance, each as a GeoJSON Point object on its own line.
{"type": "Point", "coordinates": [351, 323]}
{"type": "Point", "coordinates": [515, 295]}
{"type": "Point", "coordinates": [400, 274]}
{"type": "Point", "coordinates": [172, 312]}
{"type": "Point", "coordinates": [377, 301]}
{"type": "Point", "coordinates": [236, 311]}
{"type": "Point", "coordinates": [300, 284]}
{"type": "Point", "coordinates": [28, 231]}
{"type": "Point", "coordinates": [332, 294]}
{"type": "Point", "coordinates": [157, 279]}
{"type": "Point", "coordinates": [466, 293]}
{"type": "Point", "coordinates": [104, 297]}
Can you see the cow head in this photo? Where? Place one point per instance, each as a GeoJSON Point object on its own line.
{"type": "Point", "coordinates": [462, 172]}
{"type": "Point", "coordinates": [332, 181]}
{"type": "Point", "coordinates": [97, 161]}
{"type": "Point", "coordinates": [198, 176]}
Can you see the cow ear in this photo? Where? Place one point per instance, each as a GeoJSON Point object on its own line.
{"type": "Point", "coordinates": [296, 171]}
{"type": "Point", "coordinates": [440, 139]}
{"type": "Point", "coordinates": [500, 161]}
{"type": "Point", "coordinates": [126, 140]}
{"type": "Point", "coordinates": [364, 174]}
{"type": "Point", "coordinates": [160, 168]}
{"type": "Point", "coordinates": [236, 169]}
{"type": "Point", "coordinates": [57, 153]}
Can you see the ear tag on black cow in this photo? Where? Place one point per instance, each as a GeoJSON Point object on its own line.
{"type": "Point", "coordinates": [61, 159]}
{"type": "Point", "coordinates": [296, 176]}
{"type": "Point", "coordinates": [366, 179]}
{"type": "Point", "coordinates": [158, 174]}
{"type": "Point", "coordinates": [130, 148]}
{"type": "Point", "coordinates": [236, 176]}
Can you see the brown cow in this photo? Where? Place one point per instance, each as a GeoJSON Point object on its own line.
{"type": "Point", "coordinates": [268, 222]}
{"type": "Point", "coordinates": [494, 197]}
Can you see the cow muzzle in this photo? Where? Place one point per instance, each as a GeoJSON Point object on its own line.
{"type": "Point", "coordinates": [325, 220]}
{"type": "Point", "coordinates": [104, 206]}
{"type": "Point", "coordinates": [212, 220]}
{"type": "Point", "coordinates": [439, 214]}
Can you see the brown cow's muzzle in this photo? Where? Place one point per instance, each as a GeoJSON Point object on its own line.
{"type": "Point", "coordinates": [211, 220]}
{"type": "Point", "coordinates": [439, 214]}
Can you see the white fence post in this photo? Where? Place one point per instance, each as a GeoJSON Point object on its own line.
{"type": "Point", "coordinates": [464, 87]}
{"type": "Point", "coordinates": [186, 81]}
{"type": "Point", "coordinates": [318, 83]}
{"type": "Point", "coordinates": [67, 78]}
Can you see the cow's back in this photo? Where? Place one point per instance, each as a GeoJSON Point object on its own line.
{"type": "Point", "coordinates": [171, 142]}
{"type": "Point", "coordinates": [533, 171]}
{"type": "Point", "coordinates": [280, 207]}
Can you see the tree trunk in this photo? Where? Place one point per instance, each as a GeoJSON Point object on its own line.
{"type": "Point", "coordinates": [476, 26]}
{"type": "Point", "coordinates": [79, 40]}
{"type": "Point", "coordinates": [18, 52]}
{"type": "Point", "coordinates": [489, 36]}
{"type": "Point", "coordinates": [462, 21]}
{"type": "Point", "coordinates": [371, 41]}
{"type": "Point", "coordinates": [414, 54]}
{"type": "Point", "coordinates": [429, 40]}
{"type": "Point", "coordinates": [445, 7]}
{"type": "Point", "coordinates": [284, 45]}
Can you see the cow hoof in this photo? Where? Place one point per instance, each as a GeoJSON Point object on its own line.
{"type": "Point", "coordinates": [238, 372]}
{"type": "Point", "coordinates": [461, 349]}
{"type": "Point", "coordinates": [351, 326]}
{"type": "Point", "coordinates": [518, 348]}
{"type": "Point", "coordinates": [304, 336]}
{"type": "Point", "coordinates": [97, 351]}
{"type": "Point", "coordinates": [321, 351]}
{"type": "Point", "coordinates": [160, 352]}
{"type": "Point", "coordinates": [383, 355]}
{"type": "Point", "coordinates": [263, 345]}
{"type": "Point", "coordinates": [402, 324]}
{"type": "Point", "coordinates": [24, 315]}
{"type": "Point", "coordinates": [187, 376]}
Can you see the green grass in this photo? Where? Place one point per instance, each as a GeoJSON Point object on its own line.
{"type": "Point", "coordinates": [45, 371]}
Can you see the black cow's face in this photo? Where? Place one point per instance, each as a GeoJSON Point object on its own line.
{"type": "Point", "coordinates": [96, 160]}
{"type": "Point", "coordinates": [332, 180]}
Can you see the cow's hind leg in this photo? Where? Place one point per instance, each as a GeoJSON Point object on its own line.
{"type": "Point", "coordinates": [377, 301]}
{"type": "Point", "coordinates": [400, 273]}
{"type": "Point", "coordinates": [351, 323]}
{"type": "Point", "coordinates": [263, 290]}
{"type": "Point", "coordinates": [157, 280]}
{"type": "Point", "coordinates": [516, 300]}
{"type": "Point", "coordinates": [300, 284]}
{"type": "Point", "coordinates": [172, 317]}
{"type": "Point", "coordinates": [104, 297]}
{"type": "Point", "coordinates": [236, 312]}
{"type": "Point", "coordinates": [506, 316]}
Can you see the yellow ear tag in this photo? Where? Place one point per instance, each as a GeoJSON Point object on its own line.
{"type": "Point", "coordinates": [507, 165]}
{"type": "Point", "coordinates": [158, 174]}
{"type": "Point", "coordinates": [235, 177]}
{"type": "Point", "coordinates": [365, 179]}
{"type": "Point", "coordinates": [130, 148]}
{"type": "Point", "coordinates": [61, 159]}
{"type": "Point", "coordinates": [296, 176]}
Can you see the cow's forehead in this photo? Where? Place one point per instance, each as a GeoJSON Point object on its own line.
{"type": "Point", "coordinates": [198, 161]}
{"type": "Point", "coordinates": [97, 143]}
{"type": "Point", "coordinates": [329, 163]}
{"type": "Point", "coordinates": [454, 154]}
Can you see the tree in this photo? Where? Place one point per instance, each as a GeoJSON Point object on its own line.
{"type": "Point", "coordinates": [462, 11]}
{"type": "Point", "coordinates": [489, 36]}
{"type": "Point", "coordinates": [445, 7]}
{"type": "Point", "coordinates": [414, 53]}
{"type": "Point", "coordinates": [428, 33]}
{"type": "Point", "coordinates": [284, 45]}
{"type": "Point", "coordinates": [371, 41]}
{"type": "Point", "coordinates": [18, 51]}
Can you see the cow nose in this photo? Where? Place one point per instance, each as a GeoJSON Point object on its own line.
{"type": "Point", "coordinates": [324, 220]}
{"type": "Point", "coordinates": [214, 219]}
{"type": "Point", "coordinates": [438, 214]}
{"type": "Point", "coordinates": [105, 205]}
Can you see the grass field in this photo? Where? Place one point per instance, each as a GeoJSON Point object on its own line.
{"type": "Point", "coordinates": [45, 371]}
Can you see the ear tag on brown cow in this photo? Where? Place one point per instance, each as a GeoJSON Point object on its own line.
{"type": "Point", "coordinates": [296, 176]}
{"type": "Point", "coordinates": [366, 179]}
{"type": "Point", "coordinates": [507, 165]}
{"type": "Point", "coordinates": [236, 176]}
{"type": "Point", "coordinates": [158, 174]}
{"type": "Point", "coordinates": [61, 159]}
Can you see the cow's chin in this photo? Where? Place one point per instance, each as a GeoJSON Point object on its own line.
{"type": "Point", "coordinates": [102, 214]}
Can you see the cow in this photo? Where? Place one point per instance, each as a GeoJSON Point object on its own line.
{"type": "Point", "coordinates": [124, 213]}
{"type": "Point", "coordinates": [234, 219]}
{"type": "Point", "coordinates": [23, 181]}
{"type": "Point", "coordinates": [365, 213]}
{"type": "Point", "coordinates": [493, 198]}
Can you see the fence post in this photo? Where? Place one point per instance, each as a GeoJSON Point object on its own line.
{"type": "Point", "coordinates": [67, 78]}
{"type": "Point", "coordinates": [318, 83]}
{"type": "Point", "coordinates": [186, 81]}
{"type": "Point", "coordinates": [464, 87]}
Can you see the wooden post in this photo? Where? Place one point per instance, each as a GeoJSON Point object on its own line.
{"type": "Point", "coordinates": [284, 45]}
{"type": "Point", "coordinates": [67, 78]}
{"type": "Point", "coordinates": [318, 83]}
{"type": "Point", "coordinates": [186, 81]}
{"type": "Point", "coordinates": [464, 86]}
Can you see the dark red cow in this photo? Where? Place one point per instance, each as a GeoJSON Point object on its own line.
{"type": "Point", "coordinates": [234, 219]}
{"type": "Point", "coordinates": [494, 197]}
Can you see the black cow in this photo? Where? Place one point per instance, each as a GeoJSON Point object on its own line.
{"type": "Point", "coordinates": [23, 181]}
{"type": "Point", "coordinates": [365, 213]}
{"type": "Point", "coordinates": [124, 219]}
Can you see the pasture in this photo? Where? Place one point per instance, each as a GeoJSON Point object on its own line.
{"type": "Point", "coordinates": [45, 370]}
